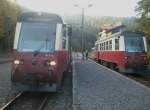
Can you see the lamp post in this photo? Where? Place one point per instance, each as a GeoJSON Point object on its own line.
{"type": "Point", "coordinates": [82, 28]}
{"type": "Point", "coordinates": [148, 13]}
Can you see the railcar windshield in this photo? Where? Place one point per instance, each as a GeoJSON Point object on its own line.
{"type": "Point", "coordinates": [134, 43]}
{"type": "Point", "coordinates": [37, 37]}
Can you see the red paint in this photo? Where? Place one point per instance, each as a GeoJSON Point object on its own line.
{"type": "Point", "coordinates": [19, 71]}
{"type": "Point", "coordinates": [123, 59]}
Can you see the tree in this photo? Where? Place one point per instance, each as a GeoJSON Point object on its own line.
{"type": "Point", "coordinates": [92, 26]}
{"type": "Point", "coordinates": [143, 10]}
{"type": "Point", "coordinates": [8, 13]}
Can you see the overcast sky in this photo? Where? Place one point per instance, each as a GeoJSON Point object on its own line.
{"type": "Point", "coordinates": [119, 8]}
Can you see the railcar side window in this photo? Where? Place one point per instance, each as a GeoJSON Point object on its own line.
{"type": "Point", "coordinates": [107, 45]}
{"type": "Point", "coordinates": [64, 32]}
{"type": "Point", "coordinates": [116, 44]}
{"type": "Point", "coordinates": [100, 46]}
{"type": "Point", "coordinates": [110, 45]}
{"type": "Point", "coordinates": [104, 45]}
{"type": "Point", "coordinates": [96, 47]}
{"type": "Point", "coordinates": [64, 43]}
{"type": "Point", "coordinates": [64, 38]}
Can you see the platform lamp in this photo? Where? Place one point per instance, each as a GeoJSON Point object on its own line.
{"type": "Point", "coordinates": [82, 28]}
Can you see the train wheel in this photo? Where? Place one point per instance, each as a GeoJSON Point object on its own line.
{"type": "Point", "coordinates": [105, 64]}
{"type": "Point", "coordinates": [112, 66]}
{"type": "Point", "coordinates": [99, 61]}
{"type": "Point", "coordinates": [102, 62]}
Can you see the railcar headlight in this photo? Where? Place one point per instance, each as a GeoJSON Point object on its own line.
{"type": "Point", "coordinates": [17, 62]}
{"type": "Point", "coordinates": [127, 57]}
{"type": "Point", "coordinates": [52, 63]}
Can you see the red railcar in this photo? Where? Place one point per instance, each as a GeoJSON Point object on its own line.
{"type": "Point", "coordinates": [41, 52]}
{"type": "Point", "coordinates": [121, 49]}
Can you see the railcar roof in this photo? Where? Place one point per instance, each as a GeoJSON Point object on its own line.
{"type": "Point", "coordinates": [136, 32]}
{"type": "Point", "coordinates": [109, 29]}
{"type": "Point", "coordinates": [34, 15]}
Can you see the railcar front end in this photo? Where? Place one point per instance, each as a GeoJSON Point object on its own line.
{"type": "Point", "coordinates": [135, 57]}
{"type": "Point", "coordinates": [41, 53]}
{"type": "Point", "coordinates": [122, 50]}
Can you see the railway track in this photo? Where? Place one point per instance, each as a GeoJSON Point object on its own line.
{"type": "Point", "coordinates": [43, 101]}
{"type": "Point", "coordinates": [27, 101]}
{"type": "Point", "coordinates": [11, 101]}
{"type": "Point", "coordinates": [140, 78]}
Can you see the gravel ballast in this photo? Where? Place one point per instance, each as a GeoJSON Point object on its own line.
{"type": "Point", "coordinates": [62, 100]}
{"type": "Point", "coordinates": [6, 93]}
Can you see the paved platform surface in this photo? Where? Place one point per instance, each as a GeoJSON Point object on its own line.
{"type": "Point", "coordinates": [102, 89]}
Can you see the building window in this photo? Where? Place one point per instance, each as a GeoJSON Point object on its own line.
{"type": "Point", "coordinates": [116, 44]}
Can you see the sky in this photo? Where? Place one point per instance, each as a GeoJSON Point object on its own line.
{"type": "Point", "coordinates": [118, 8]}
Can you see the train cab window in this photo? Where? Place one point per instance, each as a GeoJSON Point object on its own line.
{"type": "Point", "coordinates": [30, 37]}
{"type": "Point", "coordinates": [110, 45]}
{"type": "Point", "coordinates": [116, 44]}
{"type": "Point", "coordinates": [134, 42]}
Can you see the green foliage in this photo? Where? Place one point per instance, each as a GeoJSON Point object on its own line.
{"type": "Point", "coordinates": [143, 10]}
{"type": "Point", "coordinates": [91, 27]}
{"type": "Point", "coordinates": [8, 13]}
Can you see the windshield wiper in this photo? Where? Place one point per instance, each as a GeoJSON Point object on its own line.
{"type": "Point", "coordinates": [36, 52]}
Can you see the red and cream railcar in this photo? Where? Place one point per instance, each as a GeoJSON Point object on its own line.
{"type": "Point", "coordinates": [41, 52]}
{"type": "Point", "coordinates": [124, 50]}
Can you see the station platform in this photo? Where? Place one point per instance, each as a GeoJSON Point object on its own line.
{"type": "Point", "coordinates": [99, 88]}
